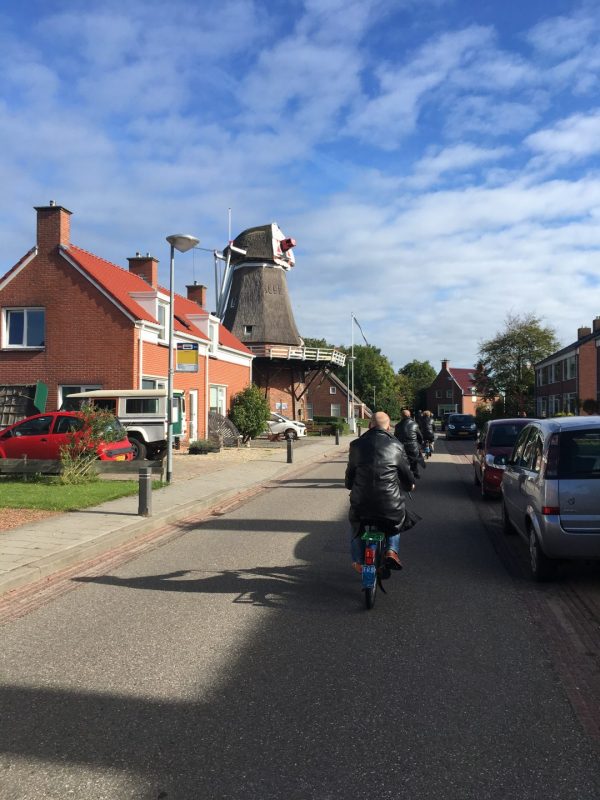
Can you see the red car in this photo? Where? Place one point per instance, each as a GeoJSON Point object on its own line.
{"type": "Point", "coordinates": [42, 436]}
{"type": "Point", "coordinates": [494, 446]}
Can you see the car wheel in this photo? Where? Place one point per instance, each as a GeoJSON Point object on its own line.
{"type": "Point", "coordinates": [139, 449]}
{"type": "Point", "coordinates": [542, 568]}
{"type": "Point", "coordinates": [291, 434]}
{"type": "Point", "coordinates": [507, 525]}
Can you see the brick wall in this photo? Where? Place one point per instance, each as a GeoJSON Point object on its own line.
{"type": "Point", "coordinates": [587, 376]}
{"type": "Point", "coordinates": [87, 340]}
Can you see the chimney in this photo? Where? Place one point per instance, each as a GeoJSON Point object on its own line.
{"type": "Point", "coordinates": [583, 332]}
{"type": "Point", "coordinates": [596, 324]}
{"type": "Point", "coordinates": [53, 227]}
{"type": "Point", "coordinates": [145, 267]}
{"type": "Point", "coordinates": [445, 363]}
{"type": "Point", "coordinates": [197, 293]}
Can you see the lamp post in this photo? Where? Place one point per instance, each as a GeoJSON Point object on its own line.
{"type": "Point", "coordinates": [181, 242]}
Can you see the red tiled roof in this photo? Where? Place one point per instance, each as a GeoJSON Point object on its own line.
{"type": "Point", "coordinates": [119, 283]}
{"type": "Point", "coordinates": [463, 378]}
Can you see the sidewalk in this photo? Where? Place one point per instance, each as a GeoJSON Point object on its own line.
{"type": "Point", "coordinates": [38, 549]}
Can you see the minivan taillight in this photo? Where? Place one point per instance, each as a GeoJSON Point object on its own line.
{"type": "Point", "coordinates": [551, 470]}
{"type": "Point", "coordinates": [550, 511]}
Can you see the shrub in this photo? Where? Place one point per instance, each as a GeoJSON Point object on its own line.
{"type": "Point", "coordinates": [250, 412]}
{"type": "Point", "coordinates": [80, 454]}
{"type": "Point", "coordinates": [201, 446]}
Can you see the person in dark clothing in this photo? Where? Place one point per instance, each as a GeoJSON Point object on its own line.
{"type": "Point", "coordinates": [426, 426]}
{"type": "Point", "coordinates": [378, 474]}
{"type": "Point", "coordinates": [407, 432]}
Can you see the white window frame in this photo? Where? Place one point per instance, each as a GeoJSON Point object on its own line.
{"type": "Point", "coordinates": [213, 335]}
{"type": "Point", "coordinates": [153, 383]}
{"type": "Point", "coordinates": [164, 308]}
{"type": "Point", "coordinates": [221, 392]}
{"type": "Point", "coordinates": [5, 328]}
{"type": "Point", "coordinates": [337, 406]}
{"type": "Point", "coordinates": [309, 410]}
{"type": "Point", "coordinates": [332, 390]}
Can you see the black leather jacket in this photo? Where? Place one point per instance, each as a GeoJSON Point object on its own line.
{"type": "Point", "coordinates": [426, 426]}
{"type": "Point", "coordinates": [407, 431]}
{"type": "Point", "coordinates": [377, 473]}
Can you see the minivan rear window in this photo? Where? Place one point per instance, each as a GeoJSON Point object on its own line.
{"type": "Point", "coordinates": [504, 435]}
{"type": "Point", "coordinates": [579, 454]}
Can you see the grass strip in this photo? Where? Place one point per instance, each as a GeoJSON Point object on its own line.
{"type": "Point", "coordinates": [48, 494]}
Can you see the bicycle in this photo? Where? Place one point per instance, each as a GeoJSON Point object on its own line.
{"type": "Point", "coordinates": [373, 567]}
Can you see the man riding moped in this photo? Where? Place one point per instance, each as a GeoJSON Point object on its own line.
{"type": "Point", "coordinates": [378, 475]}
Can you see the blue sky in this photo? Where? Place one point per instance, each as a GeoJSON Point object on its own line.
{"type": "Point", "coordinates": [436, 160]}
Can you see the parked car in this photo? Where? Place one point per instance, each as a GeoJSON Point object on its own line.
{"type": "Point", "coordinates": [142, 412]}
{"type": "Point", "coordinates": [461, 426]}
{"type": "Point", "coordinates": [285, 428]}
{"type": "Point", "coordinates": [42, 435]}
{"type": "Point", "coordinates": [551, 491]}
{"type": "Point", "coordinates": [494, 445]}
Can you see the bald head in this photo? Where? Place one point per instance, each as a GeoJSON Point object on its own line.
{"type": "Point", "coordinates": [406, 412]}
{"type": "Point", "coordinates": [380, 420]}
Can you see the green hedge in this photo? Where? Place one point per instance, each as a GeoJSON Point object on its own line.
{"type": "Point", "coordinates": [201, 446]}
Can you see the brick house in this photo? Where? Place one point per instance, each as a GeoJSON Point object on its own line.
{"type": "Point", "coordinates": [328, 396]}
{"type": "Point", "coordinates": [453, 390]}
{"type": "Point", "coordinates": [570, 378]}
{"type": "Point", "coordinates": [74, 321]}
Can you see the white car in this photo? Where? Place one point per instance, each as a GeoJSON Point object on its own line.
{"type": "Point", "coordinates": [285, 428]}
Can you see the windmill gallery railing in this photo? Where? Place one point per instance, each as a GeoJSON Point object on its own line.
{"type": "Point", "coordinates": [289, 353]}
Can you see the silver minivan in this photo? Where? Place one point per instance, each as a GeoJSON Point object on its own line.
{"type": "Point", "coordinates": [551, 491]}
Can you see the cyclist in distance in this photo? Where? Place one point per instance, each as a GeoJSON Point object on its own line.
{"type": "Point", "coordinates": [426, 425]}
{"type": "Point", "coordinates": [378, 475]}
{"type": "Point", "coordinates": [408, 433]}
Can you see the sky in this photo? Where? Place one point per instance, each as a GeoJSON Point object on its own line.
{"type": "Point", "coordinates": [435, 160]}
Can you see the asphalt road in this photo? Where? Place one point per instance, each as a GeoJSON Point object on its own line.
{"type": "Point", "coordinates": [237, 661]}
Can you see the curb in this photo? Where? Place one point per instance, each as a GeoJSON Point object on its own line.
{"type": "Point", "coordinates": [83, 551]}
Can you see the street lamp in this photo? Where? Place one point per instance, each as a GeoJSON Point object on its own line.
{"type": "Point", "coordinates": [181, 242]}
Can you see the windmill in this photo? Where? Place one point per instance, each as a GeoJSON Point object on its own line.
{"type": "Point", "coordinates": [255, 306]}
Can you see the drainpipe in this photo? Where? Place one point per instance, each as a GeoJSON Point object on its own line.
{"type": "Point", "coordinates": [140, 354]}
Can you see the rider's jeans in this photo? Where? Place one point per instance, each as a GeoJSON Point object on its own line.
{"type": "Point", "coordinates": [357, 546]}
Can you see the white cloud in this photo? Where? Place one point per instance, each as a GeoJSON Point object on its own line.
{"type": "Point", "coordinates": [570, 139]}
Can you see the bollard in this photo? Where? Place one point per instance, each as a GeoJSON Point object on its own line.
{"type": "Point", "coordinates": [290, 452]}
{"type": "Point", "coordinates": [337, 435]}
{"type": "Point", "coordinates": [359, 429]}
{"type": "Point", "coordinates": [145, 492]}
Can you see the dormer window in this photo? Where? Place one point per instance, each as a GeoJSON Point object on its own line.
{"type": "Point", "coordinates": [247, 330]}
{"type": "Point", "coordinates": [213, 331]}
{"type": "Point", "coordinates": [162, 320]}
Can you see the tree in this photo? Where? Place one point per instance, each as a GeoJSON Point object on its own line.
{"type": "Point", "coordinates": [250, 412]}
{"type": "Point", "coordinates": [506, 362]}
{"type": "Point", "coordinates": [420, 376]}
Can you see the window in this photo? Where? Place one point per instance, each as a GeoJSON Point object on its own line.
{"type": "Point", "coordinates": [518, 455]}
{"type": "Point", "coordinates": [65, 391]}
{"type": "Point", "coordinates": [336, 410]}
{"type": "Point", "coordinates": [438, 394]}
{"type": "Point", "coordinates": [24, 327]}
{"type": "Point", "coordinates": [247, 330]}
{"type": "Point", "coordinates": [162, 321]}
{"type": "Point", "coordinates": [536, 453]}
{"type": "Point", "coordinates": [68, 424]}
{"type": "Point", "coordinates": [213, 333]}
{"type": "Point", "coordinates": [309, 411]}
{"type": "Point", "coordinates": [151, 383]}
{"type": "Point", "coordinates": [141, 405]}
{"type": "Point", "coordinates": [571, 367]}
{"type": "Point", "coordinates": [448, 393]}
{"type": "Point", "coordinates": [217, 399]}
{"type": "Point", "coordinates": [33, 427]}
{"type": "Point", "coordinates": [332, 390]}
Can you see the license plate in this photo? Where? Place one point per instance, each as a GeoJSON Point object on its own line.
{"type": "Point", "coordinates": [120, 458]}
{"type": "Point", "coordinates": [368, 575]}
